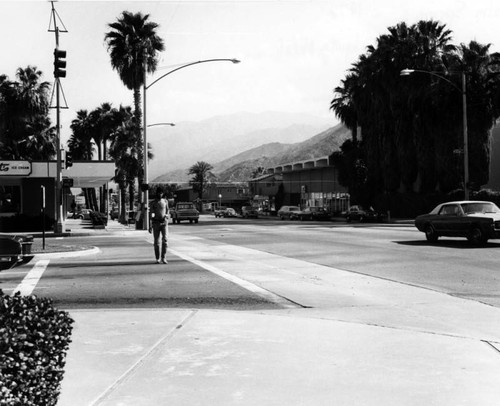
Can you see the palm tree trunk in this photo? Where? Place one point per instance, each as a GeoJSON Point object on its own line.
{"type": "Point", "coordinates": [140, 146]}
{"type": "Point", "coordinates": [131, 193]}
{"type": "Point", "coordinates": [123, 196]}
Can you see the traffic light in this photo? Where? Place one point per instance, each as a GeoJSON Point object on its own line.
{"type": "Point", "coordinates": [59, 63]}
{"type": "Point", "coordinates": [68, 160]}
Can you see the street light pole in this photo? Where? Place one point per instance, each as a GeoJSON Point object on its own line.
{"type": "Point", "coordinates": [145, 153]}
{"type": "Point", "coordinates": [466, 138]}
{"type": "Point", "coordinates": [145, 126]}
{"type": "Point", "coordinates": [463, 90]}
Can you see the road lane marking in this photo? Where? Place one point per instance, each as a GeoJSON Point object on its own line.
{"type": "Point", "coordinates": [28, 284]}
{"type": "Point", "coordinates": [267, 295]}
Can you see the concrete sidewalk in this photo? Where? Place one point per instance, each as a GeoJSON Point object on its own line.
{"type": "Point", "coordinates": [189, 357]}
{"type": "Point", "coordinates": [356, 340]}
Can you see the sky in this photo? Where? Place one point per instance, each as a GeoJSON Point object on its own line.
{"type": "Point", "coordinates": [293, 52]}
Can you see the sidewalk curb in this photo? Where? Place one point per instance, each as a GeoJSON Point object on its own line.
{"type": "Point", "coordinates": [67, 254]}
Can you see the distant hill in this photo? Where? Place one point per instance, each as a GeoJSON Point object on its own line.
{"type": "Point", "coordinates": [239, 168]}
{"type": "Point", "coordinates": [320, 145]}
{"type": "Point", "coordinates": [218, 138]}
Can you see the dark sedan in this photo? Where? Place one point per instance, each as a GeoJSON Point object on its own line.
{"type": "Point", "coordinates": [478, 221]}
{"type": "Point", "coordinates": [361, 214]}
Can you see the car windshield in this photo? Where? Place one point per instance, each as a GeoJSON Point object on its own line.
{"type": "Point", "coordinates": [479, 208]}
{"type": "Point", "coordinates": [184, 206]}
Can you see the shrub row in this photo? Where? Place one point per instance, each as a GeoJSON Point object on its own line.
{"type": "Point", "coordinates": [34, 339]}
{"type": "Point", "coordinates": [98, 219]}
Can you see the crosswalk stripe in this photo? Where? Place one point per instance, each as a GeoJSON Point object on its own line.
{"type": "Point", "coordinates": [28, 284]}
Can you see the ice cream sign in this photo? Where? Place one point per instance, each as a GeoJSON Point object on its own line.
{"type": "Point", "coordinates": [15, 168]}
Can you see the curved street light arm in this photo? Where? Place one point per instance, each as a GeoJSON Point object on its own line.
{"type": "Point", "coordinates": [161, 124]}
{"type": "Point", "coordinates": [408, 72]}
{"type": "Point", "coordinates": [190, 64]}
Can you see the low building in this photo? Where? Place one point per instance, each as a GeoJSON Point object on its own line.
{"type": "Point", "coordinates": [312, 182]}
{"type": "Point", "coordinates": [28, 187]}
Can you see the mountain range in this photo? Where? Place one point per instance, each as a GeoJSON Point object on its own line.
{"type": "Point", "coordinates": [236, 145]}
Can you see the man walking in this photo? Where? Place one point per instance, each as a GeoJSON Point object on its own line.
{"type": "Point", "coordinates": [158, 217]}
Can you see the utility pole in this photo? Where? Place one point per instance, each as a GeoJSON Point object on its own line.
{"type": "Point", "coordinates": [466, 139]}
{"type": "Point", "coordinates": [59, 71]}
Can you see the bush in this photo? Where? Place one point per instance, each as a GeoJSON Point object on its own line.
{"type": "Point", "coordinates": [34, 339]}
{"type": "Point", "coordinates": [98, 219]}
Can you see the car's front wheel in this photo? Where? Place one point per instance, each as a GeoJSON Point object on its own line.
{"type": "Point", "coordinates": [476, 236]}
{"type": "Point", "coordinates": [430, 234]}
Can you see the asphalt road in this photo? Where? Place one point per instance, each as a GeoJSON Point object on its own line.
{"type": "Point", "coordinates": [396, 253]}
{"type": "Point", "coordinates": [123, 274]}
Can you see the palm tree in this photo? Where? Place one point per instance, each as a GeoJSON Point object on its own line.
{"type": "Point", "coordinates": [40, 144]}
{"type": "Point", "coordinates": [80, 143]}
{"type": "Point", "coordinates": [133, 44]}
{"type": "Point", "coordinates": [24, 107]}
{"type": "Point", "coordinates": [123, 150]}
{"type": "Point", "coordinates": [411, 128]}
{"type": "Point", "coordinates": [81, 146]}
{"type": "Point", "coordinates": [201, 172]}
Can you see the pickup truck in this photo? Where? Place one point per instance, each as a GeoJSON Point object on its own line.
{"type": "Point", "coordinates": [184, 211]}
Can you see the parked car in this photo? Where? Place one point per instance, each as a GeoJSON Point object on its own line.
{"type": "Point", "coordinates": [361, 214]}
{"type": "Point", "coordinates": [478, 221]}
{"type": "Point", "coordinates": [14, 249]}
{"type": "Point", "coordinates": [114, 213]}
{"type": "Point", "coordinates": [220, 211]}
{"type": "Point", "coordinates": [83, 214]}
{"type": "Point", "coordinates": [249, 211]}
{"type": "Point", "coordinates": [184, 211]}
{"type": "Point", "coordinates": [313, 213]}
{"type": "Point", "coordinates": [288, 212]}
{"type": "Point", "coordinates": [229, 212]}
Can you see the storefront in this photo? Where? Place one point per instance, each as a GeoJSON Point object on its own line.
{"type": "Point", "coordinates": [307, 183]}
{"type": "Point", "coordinates": [28, 187]}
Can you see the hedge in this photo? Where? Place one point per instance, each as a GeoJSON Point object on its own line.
{"type": "Point", "coordinates": [34, 339]}
{"type": "Point", "coordinates": [98, 219]}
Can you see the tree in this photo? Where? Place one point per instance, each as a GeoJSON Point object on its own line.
{"type": "Point", "coordinates": [352, 172]}
{"type": "Point", "coordinates": [80, 142]}
{"type": "Point", "coordinates": [134, 44]}
{"type": "Point", "coordinates": [25, 126]}
{"type": "Point", "coordinates": [81, 147]}
{"type": "Point", "coordinates": [169, 189]}
{"type": "Point", "coordinates": [201, 172]}
{"type": "Point", "coordinates": [123, 150]}
{"type": "Point", "coordinates": [258, 171]}
{"type": "Point", "coordinates": [411, 127]}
